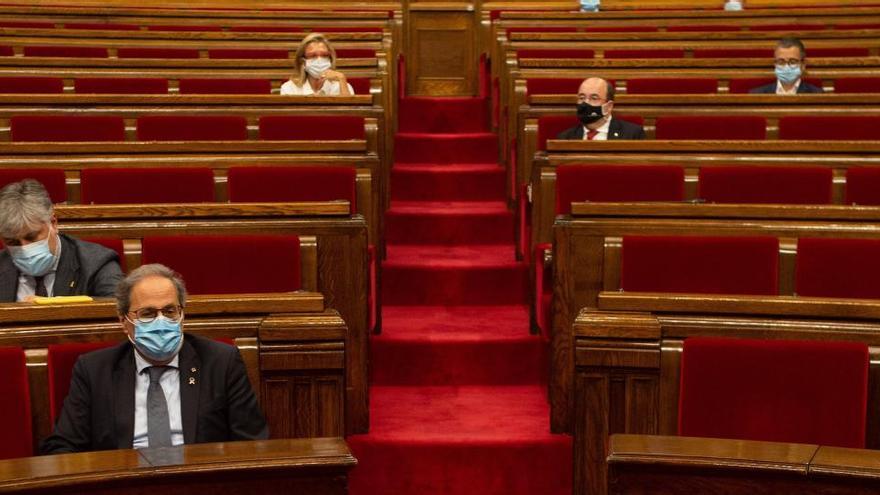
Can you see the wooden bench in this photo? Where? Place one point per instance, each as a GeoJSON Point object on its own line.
{"type": "Point", "coordinates": [317, 466]}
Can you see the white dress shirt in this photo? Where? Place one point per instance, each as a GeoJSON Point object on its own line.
{"type": "Point", "coordinates": [170, 382]}
{"type": "Point", "coordinates": [782, 91]}
{"type": "Point", "coordinates": [329, 88]}
{"type": "Point", "coordinates": [602, 132]}
{"type": "Point", "coordinates": [27, 285]}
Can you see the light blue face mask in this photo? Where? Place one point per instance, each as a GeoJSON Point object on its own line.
{"type": "Point", "coordinates": [788, 74]}
{"type": "Point", "coordinates": [733, 5]}
{"type": "Point", "coordinates": [589, 5]}
{"type": "Point", "coordinates": [34, 259]}
{"type": "Point", "coordinates": [159, 340]}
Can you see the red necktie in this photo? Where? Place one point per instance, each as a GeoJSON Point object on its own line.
{"type": "Point", "coordinates": [591, 134]}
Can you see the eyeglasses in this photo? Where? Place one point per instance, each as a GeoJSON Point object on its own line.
{"type": "Point", "coordinates": [591, 99]}
{"type": "Point", "coordinates": [791, 62]}
{"type": "Point", "coordinates": [147, 315]}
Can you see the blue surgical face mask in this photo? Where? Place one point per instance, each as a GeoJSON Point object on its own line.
{"type": "Point", "coordinates": [159, 340]}
{"type": "Point", "coordinates": [34, 259]}
{"type": "Point", "coordinates": [589, 5]}
{"type": "Point", "coordinates": [788, 74]}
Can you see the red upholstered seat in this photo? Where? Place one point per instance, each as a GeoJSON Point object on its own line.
{"type": "Point", "coordinates": [99, 26]}
{"type": "Point", "coordinates": [863, 186]}
{"type": "Point", "coordinates": [857, 85]}
{"type": "Point", "coordinates": [541, 29]}
{"type": "Point", "coordinates": [857, 127]}
{"type": "Point", "coordinates": [838, 268]}
{"type": "Point", "coordinates": [311, 127]}
{"type": "Point", "coordinates": [355, 53]}
{"type": "Point", "coordinates": [346, 29]}
{"type": "Point", "coordinates": [553, 86]}
{"type": "Point", "coordinates": [550, 126]}
{"type": "Point", "coordinates": [871, 25]}
{"type": "Point", "coordinates": [191, 128]}
{"type": "Point", "coordinates": [27, 25]}
{"type": "Point", "coordinates": [15, 415]}
{"type": "Point", "coordinates": [576, 183]}
{"type": "Point", "coordinates": [744, 85]}
{"type": "Point", "coordinates": [294, 183]}
{"type": "Point", "coordinates": [121, 85]}
{"type": "Point", "coordinates": [554, 53]}
{"type": "Point", "coordinates": [26, 84]}
{"type": "Point", "coordinates": [733, 53]}
{"type": "Point", "coordinates": [65, 51]}
{"type": "Point", "coordinates": [774, 390]}
{"type": "Point", "coordinates": [788, 27]}
{"type": "Point", "coordinates": [6, 51]}
{"type": "Point", "coordinates": [229, 264]}
{"type": "Point", "coordinates": [701, 28]}
{"type": "Point", "coordinates": [157, 53]}
{"type": "Point", "coordinates": [708, 265]}
{"type": "Point", "coordinates": [146, 185]}
{"type": "Point", "coordinates": [711, 127]}
{"type": "Point", "coordinates": [265, 29]}
{"type": "Point", "coordinates": [111, 243]}
{"type": "Point", "coordinates": [646, 53]}
{"type": "Point", "coordinates": [60, 360]}
{"type": "Point", "coordinates": [225, 86]}
{"type": "Point", "coordinates": [173, 27]}
{"type": "Point", "coordinates": [246, 53]}
{"type": "Point", "coordinates": [851, 51]}
{"type": "Point", "coordinates": [51, 178]}
{"type": "Point", "coordinates": [689, 85]}
{"type": "Point", "coordinates": [621, 29]}
{"type": "Point", "coordinates": [67, 128]}
{"type": "Point", "coordinates": [760, 184]}
{"type": "Point", "coordinates": [360, 85]}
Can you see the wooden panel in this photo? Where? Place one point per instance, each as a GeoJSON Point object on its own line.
{"type": "Point", "coordinates": [442, 50]}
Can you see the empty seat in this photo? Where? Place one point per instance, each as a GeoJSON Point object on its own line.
{"type": "Point", "coordinates": [247, 53]}
{"type": "Point", "coordinates": [311, 127]}
{"type": "Point", "coordinates": [575, 183]}
{"type": "Point", "coordinates": [720, 127]}
{"type": "Point", "coordinates": [544, 53]}
{"type": "Point", "coordinates": [101, 26]}
{"type": "Point", "coordinates": [733, 53]}
{"type": "Point", "coordinates": [863, 186]}
{"type": "Point", "coordinates": [146, 185]}
{"type": "Point", "coordinates": [188, 53]}
{"type": "Point", "coordinates": [51, 178]}
{"type": "Point", "coordinates": [27, 25]}
{"type": "Point", "coordinates": [553, 86]}
{"type": "Point", "coordinates": [121, 85]}
{"type": "Point", "coordinates": [846, 128]}
{"type": "Point", "coordinates": [60, 360]}
{"type": "Point", "coordinates": [698, 264]}
{"type": "Point", "coordinates": [774, 390]}
{"type": "Point", "coordinates": [849, 51]}
{"type": "Point", "coordinates": [229, 264]}
{"type": "Point", "coordinates": [550, 126]}
{"type": "Point", "coordinates": [183, 27]}
{"type": "Point", "coordinates": [346, 29]}
{"type": "Point", "coordinates": [225, 86]}
{"type": "Point", "coordinates": [541, 29]}
{"type": "Point", "coordinates": [788, 27]}
{"type": "Point", "coordinates": [15, 415]}
{"type": "Point", "coordinates": [646, 53]}
{"type": "Point", "coordinates": [360, 85]}
{"type": "Point", "coordinates": [857, 85]}
{"type": "Point", "coordinates": [6, 51]}
{"type": "Point", "coordinates": [66, 128]}
{"type": "Point", "coordinates": [266, 29]}
{"type": "Point", "coordinates": [838, 268]}
{"type": "Point", "coordinates": [294, 183]}
{"type": "Point", "coordinates": [65, 51]}
{"type": "Point", "coordinates": [672, 85]}
{"type": "Point", "coordinates": [355, 53]}
{"type": "Point", "coordinates": [760, 184]}
{"type": "Point", "coordinates": [26, 84]}
{"type": "Point", "coordinates": [621, 29]}
{"type": "Point", "coordinates": [701, 28]}
{"type": "Point", "coordinates": [191, 128]}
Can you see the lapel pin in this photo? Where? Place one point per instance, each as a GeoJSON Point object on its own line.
{"type": "Point", "coordinates": [193, 370]}
{"type": "Point", "coordinates": [72, 284]}
{"type": "Point", "coordinates": [616, 134]}
{"type": "Point", "coordinates": [192, 381]}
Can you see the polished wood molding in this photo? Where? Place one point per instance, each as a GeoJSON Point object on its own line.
{"type": "Point", "coordinates": [203, 210]}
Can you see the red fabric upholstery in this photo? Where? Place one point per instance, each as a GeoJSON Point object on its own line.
{"type": "Point", "coordinates": [838, 268]}
{"type": "Point", "coordinates": [553, 86]}
{"type": "Point", "coordinates": [863, 186]}
{"type": "Point", "coordinates": [711, 127]}
{"type": "Point", "coordinates": [733, 53]}
{"type": "Point", "coordinates": [311, 127]}
{"type": "Point", "coordinates": [106, 27]}
{"type": "Point", "coordinates": [295, 183]}
{"type": "Point", "coordinates": [544, 53]}
{"type": "Point", "coordinates": [621, 29]}
{"type": "Point", "coordinates": [114, 244]}
{"type": "Point", "coordinates": [708, 265]}
{"type": "Point", "coordinates": [265, 29]}
{"type": "Point", "coordinates": [121, 85]}
{"type": "Point", "coordinates": [103, 186]}
{"type": "Point", "coordinates": [229, 264]}
{"type": "Point", "coordinates": [550, 126]}
{"type": "Point", "coordinates": [6, 51]}
{"type": "Point", "coordinates": [67, 128]}
{"type": "Point", "coordinates": [65, 51]}
{"type": "Point", "coordinates": [647, 53]}
{"type": "Point", "coordinates": [15, 415]}
{"type": "Point", "coordinates": [759, 184]}
{"type": "Point", "coordinates": [26, 84]}
{"type": "Point", "coordinates": [246, 53]}
{"type": "Point", "coordinates": [701, 28]}
{"type": "Point", "coordinates": [183, 28]}
{"type": "Point", "coordinates": [858, 127]}
{"type": "Point", "coordinates": [360, 85]}
{"type": "Point", "coordinates": [355, 53]}
{"type": "Point", "coordinates": [543, 289]}
{"type": "Point", "coordinates": [839, 52]}
{"type": "Point", "coordinates": [225, 86]}
{"type": "Point", "coordinates": [690, 85]}
{"type": "Point", "coordinates": [745, 85]}
{"type": "Point", "coordinates": [774, 390]}
{"type": "Point", "coordinates": [788, 27]}
{"type": "Point", "coordinates": [856, 26]}
{"type": "Point", "coordinates": [191, 128]}
{"type": "Point", "coordinates": [27, 25]}
{"type": "Point", "coordinates": [617, 183]}
{"type": "Point", "coordinates": [541, 29]}
{"type": "Point", "coordinates": [857, 85]}
{"type": "Point", "coordinates": [346, 29]}
{"type": "Point", "coordinates": [157, 53]}
{"type": "Point", "coordinates": [51, 178]}
{"type": "Point", "coordinates": [60, 360]}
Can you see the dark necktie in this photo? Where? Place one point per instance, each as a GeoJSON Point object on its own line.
{"type": "Point", "coordinates": [41, 288]}
{"type": "Point", "coordinates": [591, 134]}
{"type": "Point", "coordinates": [158, 424]}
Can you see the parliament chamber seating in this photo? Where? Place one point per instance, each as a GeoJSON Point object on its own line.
{"type": "Point", "coordinates": [60, 359]}
{"type": "Point", "coordinates": [637, 86]}
{"type": "Point", "coordinates": [39, 128]}
{"type": "Point", "coordinates": [157, 53]}
{"type": "Point", "coordinates": [855, 268]}
{"type": "Point", "coordinates": [52, 179]}
{"type": "Point", "coordinates": [862, 186]}
{"type": "Point", "coordinates": [820, 127]}
{"type": "Point", "coordinates": [120, 85]}
{"type": "Point", "coordinates": [15, 416]}
{"type": "Point", "coordinates": [191, 128]}
{"type": "Point", "coordinates": [103, 186]}
{"type": "Point", "coordinates": [716, 127]}
{"type": "Point", "coordinates": [764, 185]}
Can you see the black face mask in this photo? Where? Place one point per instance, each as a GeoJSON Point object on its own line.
{"type": "Point", "coordinates": [589, 113]}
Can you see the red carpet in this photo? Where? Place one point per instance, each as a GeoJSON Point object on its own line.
{"type": "Point", "coordinates": [458, 397]}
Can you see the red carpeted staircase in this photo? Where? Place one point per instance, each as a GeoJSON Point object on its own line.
{"type": "Point", "coordinates": [458, 398]}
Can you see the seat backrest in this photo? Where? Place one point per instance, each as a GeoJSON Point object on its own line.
{"type": "Point", "coordinates": [15, 415]}
{"type": "Point", "coordinates": [550, 126]}
{"type": "Point", "coordinates": [295, 183]}
{"type": "Point", "coordinates": [838, 268]}
{"type": "Point", "coordinates": [553, 86]}
{"type": "Point", "coordinates": [192, 128]}
{"type": "Point", "coordinates": [66, 51]}
{"type": "Point", "coordinates": [759, 53]}
{"type": "Point", "coordinates": [863, 185]}
{"type": "Point", "coordinates": [764, 184]}
{"type": "Point", "coordinates": [555, 53]}
{"type": "Point", "coordinates": [621, 29]}
{"type": "Point", "coordinates": [51, 178]}
{"type": "Point", "coordinates": [229, 264]}
{"type": "Point", "coordinates": [28, 84]}
{"type": "Point", "coordinates": [857, 85]}
{"type": "Point", "coordinates": [645, 53]}
{"type": "Point", "coordinates": [700, 264]}
{"type": "Point", "coordinates": [36, 128]}
{"type": "Point", "coordinates": [846, 128]}
{"type": "Point", "coordinates": [60, 360]}
{"type": "Point", "coordinates": [103, 186]}
{"type": "Point", "coordinates": [684, 85]}
{"type": "Point", "coordinates": [690, 28]}
{"type": "Point", "coordinates": [102, 26]}
{"type": "Point", "coordinates": [617, 183]}
{"type": "Point", "coordinates": [247, 53]}
{"type": "Point", "coordinates": [812, 392]}
{"type": "Point", "coordinates": [360, 85]}
{"type": "Point", "coordinates": [711, 127]}
{"type": "Point", "coordinates": [230, 86]}
{"type": "Point", "coordinates": [355, 53]}
{"type": "Point", "coordinates": [788, 27]}
{"type": "Point", "coordinates": [843, 51]}
{"type": "Point", "coordinates": [311, 127]}
{"type": "Point", "coordinates": [187, 53]}
{"type": "Point", "coordinates": [121, 85]}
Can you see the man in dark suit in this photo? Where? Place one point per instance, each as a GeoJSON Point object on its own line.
{"type": "Point", "coordinates": [595, 102]}
{"type": "Point", "coordinates": [38, 260]}
{"type": "Point", "coordinates": [790, 64]}
{"type": "Point", "coordinates": [160, 388]}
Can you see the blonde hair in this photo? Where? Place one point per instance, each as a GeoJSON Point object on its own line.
{"type": "Point", "coordinates": [299, 64]}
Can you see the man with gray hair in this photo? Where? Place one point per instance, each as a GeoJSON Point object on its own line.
{"type": "Point", "coordinates": [40, 261]}
{"type": "Point", "coordinates": [159, 388]}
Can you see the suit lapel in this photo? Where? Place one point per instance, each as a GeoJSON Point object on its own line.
{"type": "Point", "coordinates": [614, 129]}
{"type": "Point", "coordinates": [68, 267]}
{"type": "Point", "coordinates": [123, 398]}
{"type": "Point", "coordinates": [190, 384]}
{"type": "Point", "coordinates": [8, 278]}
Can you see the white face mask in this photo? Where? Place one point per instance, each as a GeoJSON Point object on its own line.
{"type": "Point", "coordinates": [317, 66]}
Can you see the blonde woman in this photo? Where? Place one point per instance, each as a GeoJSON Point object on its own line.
{"type": "Point", "coordinates": [314, 71]}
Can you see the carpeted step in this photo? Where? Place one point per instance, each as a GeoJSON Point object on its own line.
{"type": "Point", "coordinates": [452, 182]}
{"type": "Point", "coordinates": [460, 345]}
{"type": "Point", "coordinates": [427, 114]}
{"type": "Point", "coordinates": [438, 222]}
{"type": "Point", "coordinates": [463, 440]}
{"type": "Point", "coordinates": [453, 275]}
{"type": "Point", "coordinates": [475, 147]}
